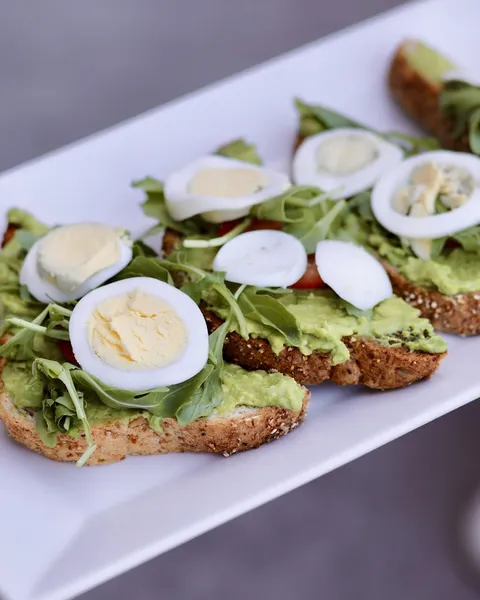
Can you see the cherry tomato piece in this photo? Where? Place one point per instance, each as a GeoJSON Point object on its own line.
{"type": "Point", "coordinates": [66, 350]}
{"type": "Point", "coordinates": [310, 279]}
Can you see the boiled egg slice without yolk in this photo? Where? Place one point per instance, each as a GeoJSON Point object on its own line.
{"type": "Point", "coordinates": [262, 258]}
{"type": "Point", "coordinates": [344, 161]}
{"type": "Point", "coordinates": [220, 189]}
{"type": "Point", "coordinates": [72, 260]}
{"type": "Point", "coordinates": [139, 334]}
{"type": "Point", "coordinates": [429, 196]}
{"type": "Point", "coordinates": [352, 273]}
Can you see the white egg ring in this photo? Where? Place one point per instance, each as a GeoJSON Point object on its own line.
{"type": "Point", "coordinates": [306, 172]}
{"type": "Point", "coordinates": [352, 273]}
{"type": "Point", "coordinates": [185, 366]}
{"type": "Point", "coordinates": [44, 291]}
{"type": "Point", "coordinates": [181, 204]}
{"type": "Point", "coordinates": [434, 226]}
{"type": "Point", "coordinates": [243, 268]}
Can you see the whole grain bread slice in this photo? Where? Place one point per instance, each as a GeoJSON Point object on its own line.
{"type": "Point", "coordinates": [419, 98]}
{"type": "Point", "coordinates": [371, 364]}
{"type": "Point", "coordinates": [245, 429]}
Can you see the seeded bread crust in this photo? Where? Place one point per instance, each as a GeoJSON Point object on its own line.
{"type": "Point", "coordinates": [246, 429]}
{"type": "Point", "coordinates": [459, 314]}
{"type": "Point", "coordinates": [419, 98]}
{"type": "Point", "coordinates": [371, 364]}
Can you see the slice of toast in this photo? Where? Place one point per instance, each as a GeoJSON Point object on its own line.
{"type": "Point", "coordinates": [371, 364]}
{"type": "Point", "coordinates": [245, 429]}
{"type": "Point", "coordinates": [458, 314]}
{"type": "Point", "coordinates": [419, 97]}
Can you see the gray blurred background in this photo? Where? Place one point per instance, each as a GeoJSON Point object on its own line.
{"type": "Point", "coordinates": [382, 527]}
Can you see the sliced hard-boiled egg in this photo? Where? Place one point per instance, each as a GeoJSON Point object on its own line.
{"type": "Point", "coordinates": [404, 199]}
{"type": "Point", "coordinates": [264, 257]}
{"type": "Point", "coordinates": [70, 261]}
{"type": "Point", "coordinates": [220, 189]}
{"type": "Point", "coordinates": [352, 273]}
{"type": "Point", "coordinates": [139, 334]}
{"type": "Point", "coordinates": [344, 161]}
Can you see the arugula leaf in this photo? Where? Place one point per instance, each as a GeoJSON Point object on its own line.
{"type": "Point", "coordinates": [319, 230]}
{"type": "Point", "coordinates": [293, 206]}
{"type": "Point", "coordinates": [117, 398]}
{"type": "Point", "coordinates": [460, 100]}
{"type": "Point", "coordinates": [45, 426]}
{"type": "Point", "coordinates": [26, 239]}
{"type": "Point", "coordinates": [156, 208]}
{"type": "Point", "coordinates": [54, 370]}
{"type": "Point", "coordinates": [469, 238]}
{"type": "Point", "coordinates": [474, 131]}
{"type": "Point", "coordinates": [139, 248]}
{"type": "Point", "coordinates": [210, 395]}
{"type": "Point", "coordinates": [240, 150]}
{"type": "Point", "coordinates": [144, 266]}
{"type": "Point", "coordinates": [269, 311]}
{"type": "Point", "coordinates": [21, 345]}
{"type": "Point", "coordinates": [410, 144]}
{"type": "Point", "coordinates": [315, 119]}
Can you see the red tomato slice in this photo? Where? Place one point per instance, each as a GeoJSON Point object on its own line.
{"type": "Point", "coordinates": [227, 226]}
{"type": "Point", "coordinates": [310, 279]}
{"type": "Point", "coordinates": [66, 350]}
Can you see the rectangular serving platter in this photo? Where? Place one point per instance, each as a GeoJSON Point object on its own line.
{"type": "Point", "coordinates": [65, 530]}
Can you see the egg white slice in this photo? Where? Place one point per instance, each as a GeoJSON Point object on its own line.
{"type": "Point", "coordinates": [306, 170]}
{"type": "Point", "coordinates": [352, 273]}
{"type": "Point", "coordinates": [432, 226]}
{"type": "Point", "coordinates": [45, 291]}
{"type": "Point", "coordinates": [182, 204]}
{"type": "Point", "coordinates": [190, 362]}
{"type": "Point", "coordinates": [264, 258]}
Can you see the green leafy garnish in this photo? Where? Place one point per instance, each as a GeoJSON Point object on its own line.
{"type": "Point", "coordinates": [54, 370]}
{"type": "Point", "coordinates": [461, 101]}
{"type": "Point", "coordinates": [219, 241]}
{"type": "Point", "coordinates": [268, 310]}
{"type": "Point", "coordinates": [240, 150]}
{"type": "Point", "coordinates": [315, 119]}
{"type": "Point", "coordinates": [155, 207]}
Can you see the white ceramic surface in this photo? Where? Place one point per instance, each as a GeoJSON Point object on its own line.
{"type": "Point", "coordinates": [64, 530]}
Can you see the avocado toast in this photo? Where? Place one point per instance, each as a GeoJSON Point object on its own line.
{"type": "Point", "coordinates": [440, 276]}
{"type": "Point", "coordinates": [53, 406]}
{"type": "Point", "coordinates": [449, 108]}
{"type": "Point", "coordinates": [310, 334]}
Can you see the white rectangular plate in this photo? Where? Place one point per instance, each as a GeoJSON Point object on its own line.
{"type": "Point", "coordinates": [64, 530]}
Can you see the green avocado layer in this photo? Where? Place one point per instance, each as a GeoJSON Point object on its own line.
{"type": "Point", "coordinates": [428, 62]}
{"type": "Point", "coordinates": [324, 319]}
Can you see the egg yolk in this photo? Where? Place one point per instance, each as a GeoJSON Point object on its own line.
{"type": "Point", "coordinates": [346, 154]}
{"type": "Point", "coordinates": [69, 255]}
{"type": "Point", "coordinates": [227, 183]}
{"type": "Point", "coordinates": [136, 331]}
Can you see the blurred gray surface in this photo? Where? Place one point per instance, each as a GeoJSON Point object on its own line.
{"type": "Point", "coordinates": [381, 527]}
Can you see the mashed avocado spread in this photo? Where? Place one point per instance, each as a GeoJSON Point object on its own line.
{"type": "Point", "coordinates": [324, 319]}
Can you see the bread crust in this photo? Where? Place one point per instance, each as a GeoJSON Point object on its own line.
{"type": "Point", "coordinates": [246, 429]}
{"type": "Point", "coordinates": [419, 98]}
{"type": "Point", "coordinates": [458, 314]}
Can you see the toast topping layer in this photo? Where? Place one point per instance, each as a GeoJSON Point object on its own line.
{"type": "Point", "coordinates": [323, 319]}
